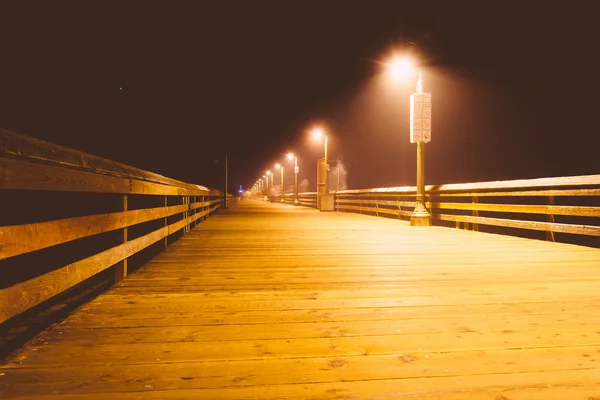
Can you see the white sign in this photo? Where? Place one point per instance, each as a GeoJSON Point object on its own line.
{"type": "Point", "coordinates": [296, 170]}
{"type": "Point", "coordinates": [420, 117]}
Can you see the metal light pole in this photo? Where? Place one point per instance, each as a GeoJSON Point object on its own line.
{"type": "Point", "coordinates": [279, 166]}
{"type": "Point", "coordinates": [420, 132]}
{"type": "Point", "coordinates": [296, 170]}
{"type": "Point", "coordinates": [269, 187]}
{"type": "Point", "coordinates": [326, 169]}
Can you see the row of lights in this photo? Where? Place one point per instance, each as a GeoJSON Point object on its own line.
{"type": "Point", "coordinates": [420, 133]}
{"type": "Point", "coordinates": [262, 184]}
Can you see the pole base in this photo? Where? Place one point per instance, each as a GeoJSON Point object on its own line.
{"type": "Point", "coordinates": [420, 220]}
{"type": "Point", "coordinates": [296, 202]}
{"type": "Point", "coordinates": [420, 216]}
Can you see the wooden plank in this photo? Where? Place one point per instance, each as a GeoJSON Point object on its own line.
{"type": "Point", "coordinates": [476, 187]}
{"type": "Point", "coordinates": [379, 202]}
{"type": "Point", "coordinates": [553, 385]}
{"type": "Point", "coordinates": [20, 239]}
{"type": "Point", "coordinates": [580, 211]}
{"type": "Point", "coordinates": [375, 210]}
{"type": "Point", "coordinates": [24, 148]}
{"type": "Point", "coordinates": [223, 374]}
{"type": "Point", "coordinates": [145, 317]}
{"type": "Point", "coordinates": [528, 193]}
{"type": "Point", "coordinates": [22, 175]}
{"type": "Point", "coordinates": [532, 225]}
{"type": "Point", "coordinates": [121, 267]}
{"type": "Point", "coordinates": [151, 188]}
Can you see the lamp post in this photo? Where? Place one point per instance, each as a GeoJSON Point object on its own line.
{"type": "Point", "coordinates": [296, 170]}
{"type": "Point", "coordinates": [420, 132]}
{"type": "Point", "coordinates": [269, 187]}
{"type": "Point", "coordinates": [317, 134]}
{"type": "Point", "coordinates": [280, 167]}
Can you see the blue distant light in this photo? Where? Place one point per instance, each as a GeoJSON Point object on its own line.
{"type": "Point", "coordinates": [120, 88]}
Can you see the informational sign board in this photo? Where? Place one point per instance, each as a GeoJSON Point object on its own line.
{"type": "Point", "coordinates": [296, 170]}
{"type": "Point", "coordinates": [420, 117]}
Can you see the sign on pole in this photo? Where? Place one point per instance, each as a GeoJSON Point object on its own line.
{"type": "Point", "coordinates": [420, 117]}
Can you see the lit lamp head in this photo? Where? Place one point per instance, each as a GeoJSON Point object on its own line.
{"type": "Point", "coordinates": [400, 69]}
{"type": "Point", "coordinates": [290, 156]}
{"type": "Point", "coordinates": [268, 173]}
{"type": "Point", "coordinates": [317, 133]}
{"type": "Point", "coordinates": [277, 166]}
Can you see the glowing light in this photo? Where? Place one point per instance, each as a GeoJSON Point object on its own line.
{"type": "Point", "coordinates": [317, 133]}
{"type": "Point", "coordinates": [268, 172]}
{"type": "Point", "coordinates": [400, 68]}
{"type": "Point", "coordinates": [290, 156]}
{"type": "Point", "coordinates": [277, 165]}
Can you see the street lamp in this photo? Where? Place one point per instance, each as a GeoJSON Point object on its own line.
{"type": "Point", "coordinates": [270, 174]}
{"type": "Point", "coordinates": [420, 133]}
{"type": "Point", "coordinates": [296, 170]}
{"type": "Point", "coordinates": [279, 166]}
{"type": "Point", "coordinates": [318, 134]}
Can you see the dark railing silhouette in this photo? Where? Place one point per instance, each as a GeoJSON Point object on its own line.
{"type": "Point", "coordinates": [60, 204]}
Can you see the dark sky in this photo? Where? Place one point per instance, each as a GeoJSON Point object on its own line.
{"type": "Point", "coordinates": [515, 86]}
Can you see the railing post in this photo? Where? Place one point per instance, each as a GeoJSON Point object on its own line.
{"type": "Point", "coordinates": [194, 211]}
{"type": "Point", "coordinates": [186, 214]}
{"type": "Point", "coordinates": [208, 208]}
{"type": "Point", "coordinates": [550, 219]}
{"type": "Point", "coordinates": [475, 213]}
{"type": "Point", "coordinates": [166, 240]}
{"type": "Point", "coordinates": [121, 267]}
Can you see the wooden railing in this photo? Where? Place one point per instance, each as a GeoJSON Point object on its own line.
{"type": "Point", "coordinates": [144, 209]}
{"type": "Point", "coordinates": [552, 205]}
{"type": "Point", "coordinates": [307, 199]}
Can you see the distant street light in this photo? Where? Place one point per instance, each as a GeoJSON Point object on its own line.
{"type": "Point", "coordinates": [420, 133]}
{"type": "Point", "coordinates": [296, 170]}
{"type": "Point", "coordinates": [279, 166]}
{"type": "Point", "coordinates": [269, 186]}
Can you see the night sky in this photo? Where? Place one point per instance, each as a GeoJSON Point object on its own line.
{"type": "Point", "coordinates": [515, 87]}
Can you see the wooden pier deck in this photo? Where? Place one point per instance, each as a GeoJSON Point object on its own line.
{"type": "Point", "coordinates": [269, 301]}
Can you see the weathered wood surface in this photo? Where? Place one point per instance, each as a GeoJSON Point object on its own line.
{"type": "Point", "coordinates": [270, 301]}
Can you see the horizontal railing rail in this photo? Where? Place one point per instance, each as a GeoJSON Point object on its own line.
{"type": "Point", "coordinates": [525, 204]}
{"type": "Point", "coordinates": [30, 167]}
{"type": "Point", "coordinates": [306, 199]}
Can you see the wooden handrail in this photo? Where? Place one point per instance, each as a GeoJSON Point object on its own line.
{"type": "Point", "coordinates": [28, 164]}
{"type": "Point", "coordinates": [469, 200]}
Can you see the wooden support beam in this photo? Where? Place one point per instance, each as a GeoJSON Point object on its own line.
{"type": "Point", "coordinates": [550, 219]}
{"type": "Point", "coordinates": [121, 267]}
